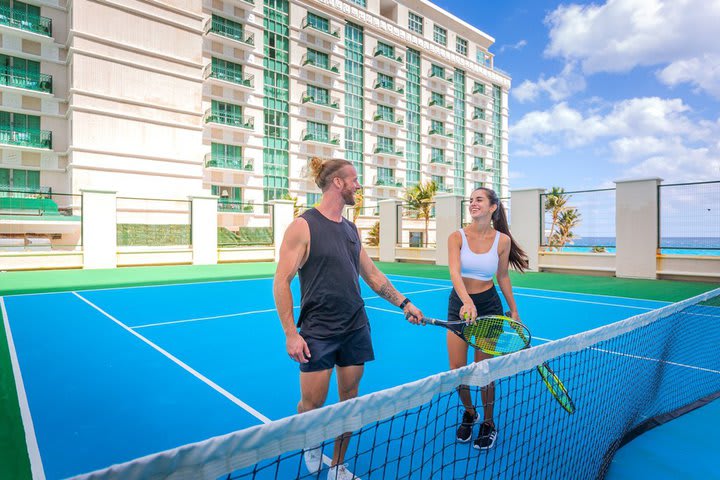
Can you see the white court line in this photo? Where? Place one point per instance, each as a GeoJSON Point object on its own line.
{"type": "Point", "coordinates": [189, 369]}
{"type": "Point", "coordinates": [36, 466]}
{"type": "Point", "coordinates": [201, 319]}
{"type": "Point", "coordinates": [545, 290]}
{"type": "Point", "coordinates": [181, 364]}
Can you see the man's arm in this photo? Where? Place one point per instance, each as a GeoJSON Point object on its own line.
{"type": "Point", "coordinates": [293, 253]}
{"type": "Point", "coordinates": [382, 286]}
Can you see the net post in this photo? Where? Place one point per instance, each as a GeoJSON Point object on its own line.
{"type": "Point", "coordinates": [203, 225]}
{"type": "Point", "coordinates": [100, 241]}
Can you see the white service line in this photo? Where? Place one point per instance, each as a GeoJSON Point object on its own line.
{"type": "Point", "coordinates": [181, 364]}
{"type": "Point", "coordinates": [200, 319]}
{"type": "Point", "coordinates": [649, 359]}
{"type": "Point", "coordinates": [581, 301]}
{"type": "Point", "coordinates": [36, 467]}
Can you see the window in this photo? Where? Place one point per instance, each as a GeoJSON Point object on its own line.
{"type": "Point", "coordinates": [385, 176]}
{"type": "Point", "coordinates": [437, 71]}
{"type": "Point", "coordinates": [439, 181]}
{"type": "Point", "coordinates": [386, 113]}
{"type": "Point", "coordinates": [227, 194]}
{"type": "Point", "coordinates": [318, 23]}
{"type": "Point", "coordinates": [313, 199]}
{"type": "Point", "coordinates": [440, 35]}
{"type": "Point", "coordinates": [385, 144]}
{"type": "Point", "coordinates": [437, 99]}
{"type": "Point", "coordinates": [436, 126]}
{"type": "Point", "coordinates": [385, 50]}
{"type": "Point", "coordinates": [415, 23]}
{"type": "Point", "coordinates": [318, 95]}
{"type": "Point", "coordinates": [437, 155]}
{"type": "Point", "coordinates": [362, 3]}
{"type": "Point", "coordinates": [317, 58]}
{"type": "Point", "coordinates": [386, 81]}
{"type": "Point", "coordinates": [461, 46]}
{"type": "Point", "coordinates": [478, 164]}
{"type": "Point", "coordinates": [416, 239]}
{"type": "Point", "coordinates": [317, 131]}
{"type": "Point", "coordinates": [22, 180]}
{"type": "Point", "coordinates": [482, 57]}
{"type": "Point", "coordinates": [478, 113]}
{"type": "Point", "coordinates": [479, 88]}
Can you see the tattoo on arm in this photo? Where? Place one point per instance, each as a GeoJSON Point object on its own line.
{"type": "Point", "coordinates": [388, 292]}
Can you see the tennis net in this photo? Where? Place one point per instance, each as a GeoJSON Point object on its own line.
{"type": "Point", "coordinates": [623, 378]}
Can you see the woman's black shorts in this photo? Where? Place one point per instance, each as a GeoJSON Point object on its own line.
{"type": "Point", "coordinates": [486, 303]}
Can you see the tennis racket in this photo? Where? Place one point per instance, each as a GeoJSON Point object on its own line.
{"type": "Point", "coordinates": [553, 382]}
{"type": "Point", "coordinates": [493, 334]}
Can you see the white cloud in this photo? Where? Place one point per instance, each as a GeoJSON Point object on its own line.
{"type": "Point", "coordinates": [516, 46]}
{"type": "Point", "coordinates": [649, 136]}
{"type": "Point", "coordinates": [557, 88]}
{"type": "Point", "coordinates": [623, 34]}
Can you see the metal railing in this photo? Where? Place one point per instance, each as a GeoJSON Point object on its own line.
{"type": "Point", "coordinates": [689, 218]}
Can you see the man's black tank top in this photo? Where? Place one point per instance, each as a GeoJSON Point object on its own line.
{"type": "Point", "coordinates": [329, 285]}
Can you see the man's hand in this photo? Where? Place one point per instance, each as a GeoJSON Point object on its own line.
{"type": "Point", "coordinates": [413, 314]}
{"type": "Point", "coordinates": [297, 348]}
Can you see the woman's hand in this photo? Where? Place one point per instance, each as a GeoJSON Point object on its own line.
{"type": "Point", "coordinates": [468, 312]}
{"type": "Point", "coordinates": [513, 314]}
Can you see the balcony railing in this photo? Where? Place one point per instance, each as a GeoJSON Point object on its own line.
{"type": "Point", "coordinates": [25, 21]}
{"type": "Point", "coordinates": [378, 52]}
{"type": "Point", "coordinates": [440, 160]}
{"type": "Point", "coordinates": [333, 67]}
{"type": "Point", "coordinates": [324, 102]}
{"type": "Point", "coordinates": [320, 137]}
{"type": "Point", "coordinates": [226, 161]}
{"type": "Point", "coordinates": [384, 117]}
{"type": "Point", "coordinates": [441, 104]}
{"type": "Point", "coordinates": [439, 75]}
{"type": "Point", "coordinates": [26, 137]}
{"type": "Point", "coordinates": [329, 31]}
{"type": "Point", "coordinates": [25, 192]}
{"type": "Point", "coordinates": [388, 150]}
{"type": "Point", "coordinates": [479, 89]}
{"type": "Point", "coordinates": [390, 88]}
{"type": "Point", "coordinates": [389, 182]}
{"type": "Point", "coordinates": [16, 77]}
{"type": "Point", "coordinates": [229, 75]}
{"type": "Point", "coordinates": [230, 119]}
{"type": "Point", "coordinates": [232, 32]}
{"type": "Point", "coordinates": [478, 116]}
{"type": "Point", "coordinates": [235, 206]}
{"type": "Point", "coordinates": [441, 132]}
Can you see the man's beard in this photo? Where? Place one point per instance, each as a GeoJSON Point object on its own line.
{"type": "Point", "coordinates": [349, 197]}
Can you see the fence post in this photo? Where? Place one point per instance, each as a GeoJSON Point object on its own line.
{"type": "Point", "coordinates": [636, 227]}
{"type": "Point", "coordinates": [448, 218]}
{"type": "Point", "coordinates": [204, 229]}
{"type": "Point", "coordinates": [527, 222]}
{"type": "Point", "coordinates": [389, 224]}
{"type": "Point", "coordinates": [99, 230]}
{"type": "Point", "coordinates": [282, 217]}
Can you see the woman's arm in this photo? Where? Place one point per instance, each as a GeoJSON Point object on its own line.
{"type": "Point", "coordinates": [454, 246]}
{"type": "Point", "coordinates": [503, 278]}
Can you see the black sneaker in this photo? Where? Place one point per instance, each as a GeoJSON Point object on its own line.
{"type": "Point", "coordinates": [486, 439]}
{"type": "Point", "coordinates": [464, 431]}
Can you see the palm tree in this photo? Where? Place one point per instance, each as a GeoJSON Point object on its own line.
{"type": "Point", "coordinates": [296, 207]}
{"type": "Point", "coordinates": [568, 219]}
{"type": "Point", "coordinates": [357, 208]}
{"type": "Point", "coordinates": [420, 200]}
{"type": "Point", "coordinates": [555, 202]}
{"type": "Point", "coordinates": [373, 238]}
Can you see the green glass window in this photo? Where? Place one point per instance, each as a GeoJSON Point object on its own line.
{"type": "Point", "coordinates": [437, 155]}
{"type": "Point", "coordinates": [437, 71]}
{"type": "Point", "coordinates": [386, 113]}
{"type": "Point", "coordinates": [386, 144]}
{"type": "Point", "coordinates": [385, 173]}
{"type": "Point", "coordinates": [440, 35]}
{"type": "Point", "coordinates": [25, 180]}
{"type": "Point", "coordinates": [385, 50]}
{"type": "Point", "coordinates": [436, 126]}
{"type": "Point", "coordinates": [224, 70]}
{"type": "Point", "coordinates": [318, 94]}
{"type": "Point", "coordinates": [412, 118]}
{"type": "Point", "coordinates": [354, 97]}
{"type": "Point", "coordinates": [437, 98]}
{"type": "Point", "coordinates": [317, 131]}
{"type": "Point", "coordinates": [386, 81]}
{"type": "Point", "coordinates": [318, 58]}
{"type": "Point", "coordinates": [461, 46]}
{"type": "Point", "coordinates": [318, 22]}
{"type": "Point", "coordinates": [312, 199]}
{"type": "Point", "coordinates": [415, 23]}
{"type": "Point", "coordinates": [478, 113]}
{"type": "Point", "coordinates": [439, 181]}
{"type": "Point", "coordinates": [227, 194]}
{"type": "Point", "coordinates": [362, 3]}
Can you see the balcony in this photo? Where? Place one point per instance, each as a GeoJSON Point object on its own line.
{"type": "Point", "coordinates": [390, 182]}
{"type": "Point", "coordinates": [21, 137]}
{"type": "Point", "coordinates": [327, 33]}
{"type": "Point", "coordinates": [320, 65]}
{"type": "Point", "coordinates": [440, 132]}
{"type": "Point", "coordinates": [440, 104]}
{"type": "Point", "coordinates": [395, 121]}
{"type": "Point", "coordinates": [438, 160]}
{"type": "Point", "coordinates": [24, 21]}
{"type": "Point", "coordinates": [319, 137]}
{"type": "Point", "coordinates": [232, 32]}
{"type": "Point", "coordinates": [227, 162]}
{"type": "Point", "coordinates": [235, 206]}
{"type": "Point", "coordinates": [323, 103]}
{"type": "Point", "coordinates": [382, 53]}
{"type": "Point", "coordinates": [436, 74]}
{"type": "Point", "coordinates": [389, 88]}
{"type": "Point", "coordinates": [229, 119]}
{"type": "Point", "coordinates": [18, 78]}
{"type": "Point", "coordinates": [247, 82]}
{"type": "Point", "coordinates": [388, 150]}
{"type": "Point", "coordinates": [479, 89]}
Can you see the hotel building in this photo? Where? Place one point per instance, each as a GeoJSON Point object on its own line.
{"type": "Point", "coordinates": [166, 99]}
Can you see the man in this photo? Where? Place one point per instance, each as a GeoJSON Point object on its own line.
{"type": "Point", "coordinates": [326, 250]}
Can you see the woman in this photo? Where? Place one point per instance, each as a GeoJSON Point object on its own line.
{"type": "Point", "coordinates": [476, 253]}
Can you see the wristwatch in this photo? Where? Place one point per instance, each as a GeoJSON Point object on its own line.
{"type": "Point", "coordinates": [403, 303]}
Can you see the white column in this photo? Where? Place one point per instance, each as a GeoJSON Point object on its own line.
{"type": "Point", "coordinates": [204, 230]}
{"type": "Point", "coordinates": [448, 218]}
{"type": "Point", "coordinates": [636, 227]}
{"type": "Point", "coordinates": [389, 224]}
{"type": "Point", "coordinates": [99, 231]}
{"type": "Point", "coordinates": [282, 217]}
{"type": "Point", "coordinates": [527, 222]}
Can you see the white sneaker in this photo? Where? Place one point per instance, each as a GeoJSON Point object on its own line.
{"type": "Point", "coordinates": [340, 472]}
{"type": "Point", "coordinates": [313, 459]}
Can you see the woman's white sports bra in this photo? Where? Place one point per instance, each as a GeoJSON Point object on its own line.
{"type": "Point", "coordinates": [480, 266]}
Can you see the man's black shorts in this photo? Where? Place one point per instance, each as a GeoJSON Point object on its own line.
{"type": "Point", "coordinates": [352, 348]}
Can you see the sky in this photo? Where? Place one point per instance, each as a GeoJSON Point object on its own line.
{"type": "Point", "coordinates": [605, 91]}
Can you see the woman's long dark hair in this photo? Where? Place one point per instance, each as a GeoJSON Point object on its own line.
{"type": "Point", "coordinates": [518, 257]}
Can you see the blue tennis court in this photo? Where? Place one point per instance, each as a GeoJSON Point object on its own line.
{"type": "Point", "coordinates": [112, 375]}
